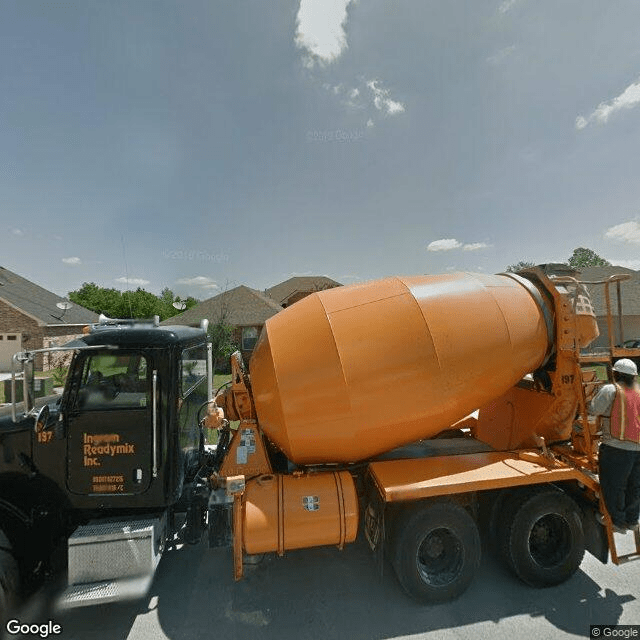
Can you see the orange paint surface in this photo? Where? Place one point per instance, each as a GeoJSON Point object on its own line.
{"type": "Point", "coordinates": [351, 372]}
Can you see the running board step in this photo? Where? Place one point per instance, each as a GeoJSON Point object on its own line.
{"type": "Point", "coordinates": [83, 595]}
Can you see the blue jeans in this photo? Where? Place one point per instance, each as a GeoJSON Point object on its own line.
{"type": "Point", "coordinates": [620, 482]}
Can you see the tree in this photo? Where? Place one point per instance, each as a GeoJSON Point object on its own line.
{"type": "Point", "coordinates": [222, 344]}
{"type": "Point", "coordinates": [98, 299]}
{"type": "Point", "coordinates": [172, 305]}
{"type": "Point", "coordinates": [582, 258]}
{"type": "Point", "coordinates": [221, 334]}
{"type": "Point", "coordinates": [518, 266]}
{"type": "Point", "coordinates": [128, 304]}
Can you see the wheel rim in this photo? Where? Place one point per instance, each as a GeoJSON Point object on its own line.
{"type": "Point", "coordinates": [440, 557]}
{"type": "Point", "coordinates": [550, 540]}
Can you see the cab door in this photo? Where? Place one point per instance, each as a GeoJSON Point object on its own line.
{"type": "Point", "coordinates": [110, 424]}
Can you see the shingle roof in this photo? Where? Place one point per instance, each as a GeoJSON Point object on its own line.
{"type": "Point", "coordinates": [39, 303]}
{"type": "Point", "coordinates": [241, 306]}
{"type": "Point", "coordinates": [630, 289]}
{"type": "Point", "coordinates": [280, 292]}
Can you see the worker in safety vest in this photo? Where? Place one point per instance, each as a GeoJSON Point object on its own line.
{"type": "Point", "coordinates": [619, 456]}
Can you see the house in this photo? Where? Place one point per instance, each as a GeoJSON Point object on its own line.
{"type": "Point", "coordinates": [294, 289]}
{"type": "Point", "coordinates": [630, 299]}
{"type": "Point", "coordinates": [245, 309]}
{"type": "Point", "coordinates": [33, 318]}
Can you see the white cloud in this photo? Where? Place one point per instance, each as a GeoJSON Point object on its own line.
{"type": "Point", "coordinates": [628, 264]}
{"type": "Point", "coordinates": [320, 34]}
{"type": "Point", "coordinates": [581, 122]}
{"type": "Point", "coordinates": [445, 244]}
{"type": "Point", "coordinates": [382, 101]}
{"type": "Point", "coordinates": [199, 281]}
{"type": "Point", "coordinates": [368, 95]}
{"type": "Point", "coordinates": [369, 123]}
{"type": "Point", "coordinates": [501, 55]}
{"type": "Point", "coordinates": [17, 232]}
{"type": "Point", "coordinates": [137, 282]}
{"type": "Point", "coordinates": [625, 232]}
{"type": "Point", "coordinates": [475, 246]}
{"type": "Point", "coordinates": [628, 99]}
{"type": "Point", "coordinates": [72, 260]}
{"type": "Point", "coordinates": [506, 5]}
{"type": "Point", "coordinates": [448, 244]}
{"type": "Point", "coordinates": [320, 30]}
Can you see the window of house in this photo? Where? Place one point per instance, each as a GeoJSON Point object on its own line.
{"type": "Point", "coordinates": [12, 337]}
{"type": "Point", "coordinates": [249, 338]}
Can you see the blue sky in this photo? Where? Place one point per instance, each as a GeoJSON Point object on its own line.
{"type": "Point", "coordinates": [200, 145]}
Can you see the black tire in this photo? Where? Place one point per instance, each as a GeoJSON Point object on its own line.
{"type": "Point", "coordinates": [542, 540]}
{"type": "Point", "coordinates": [9, 579]}
{"type": "Point", "coordinates": [491, 508]}
{"type": "Point", "coordinates": [436, 551]}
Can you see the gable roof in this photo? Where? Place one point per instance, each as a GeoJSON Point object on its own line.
{"type": "Point", "coordinates": [281, 292]}
{"type": "Point", "coordinates": [241, 306]}
{"type": "Point", "coordinates": [630, 289]}
{"type": "Point", "coordinates": [39, 303]}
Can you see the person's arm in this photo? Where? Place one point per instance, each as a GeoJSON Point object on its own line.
{"type": "Point", "coordinates": [602, 401]}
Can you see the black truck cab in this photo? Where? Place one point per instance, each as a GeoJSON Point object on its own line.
{"type": "Point", "coordinates": [119, 448]}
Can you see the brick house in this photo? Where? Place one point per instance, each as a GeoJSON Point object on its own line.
{"type": "Point", "coordinates": [298, 287]}
{"type": "Point", "coordinates": [31, 319]}
{"type": "Point", "coordinates": [245, 309]}
{"type": "Point", "coordinates": [630, 297]}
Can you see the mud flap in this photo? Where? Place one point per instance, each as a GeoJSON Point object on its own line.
{"type": "Point", "coordinates": [595, 535]}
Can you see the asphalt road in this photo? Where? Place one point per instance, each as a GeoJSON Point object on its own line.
{"type": "Point", "coordinates": [330, 595]}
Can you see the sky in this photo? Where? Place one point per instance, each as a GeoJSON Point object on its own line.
{"type": "Point", "coordinates": [199, 145]}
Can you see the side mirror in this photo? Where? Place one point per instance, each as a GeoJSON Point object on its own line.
{"type": "Point", "coordinates": [41, 419]}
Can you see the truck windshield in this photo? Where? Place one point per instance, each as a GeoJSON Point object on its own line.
{"type": "Point", "coordinates": [114, 381]}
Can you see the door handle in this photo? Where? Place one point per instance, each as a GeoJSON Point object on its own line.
{"type": "Point", "coordinates": [154, 410]}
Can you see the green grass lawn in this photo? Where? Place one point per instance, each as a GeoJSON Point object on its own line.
{"type": "Point", "coordinates": [600, 369]}
{"type": "Point", "coordinates": [219, 379]}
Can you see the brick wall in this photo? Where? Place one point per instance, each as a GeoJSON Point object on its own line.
{"type": "Point", "coordinates": [631, 328]}
{"type": "Point", "coordinates": [237, 338]}
{"type": "Point", "coordinates": [57, 337]}
{"type": "Point", "coordinates": [12, 320]}
{"type": "Point", "coordinates": [36, 336]}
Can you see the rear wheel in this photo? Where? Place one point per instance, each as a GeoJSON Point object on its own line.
{"type": "Point", "coordinates": [436, 551]}
{"type": "Point", "coordinates": [542, 539]}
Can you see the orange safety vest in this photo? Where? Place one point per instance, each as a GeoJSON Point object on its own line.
{"type": "Point", "coordinates": [625, 415]}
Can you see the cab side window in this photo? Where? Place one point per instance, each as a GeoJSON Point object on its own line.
{"type": "Point", "coordinates": [193, 392]}
{"type": "Point", "coordinates": [114, 381]}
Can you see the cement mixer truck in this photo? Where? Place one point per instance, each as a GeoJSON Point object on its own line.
{"type": "Point", "coordinates": [419, 413]}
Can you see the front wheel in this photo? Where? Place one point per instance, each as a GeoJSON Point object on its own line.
{"type": "Point", "coordinates": [436, 551]}
{"type": "Point", "coordinates": [9, 579]}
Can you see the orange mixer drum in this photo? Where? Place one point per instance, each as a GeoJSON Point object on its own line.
{"type": "Point", "coordinates": [348, 373]}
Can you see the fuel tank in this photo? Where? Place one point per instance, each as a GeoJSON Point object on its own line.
{"type": "Point", "coordinates": [282, 512]}
{"type": "Point", "coordinates": [351, 372]}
